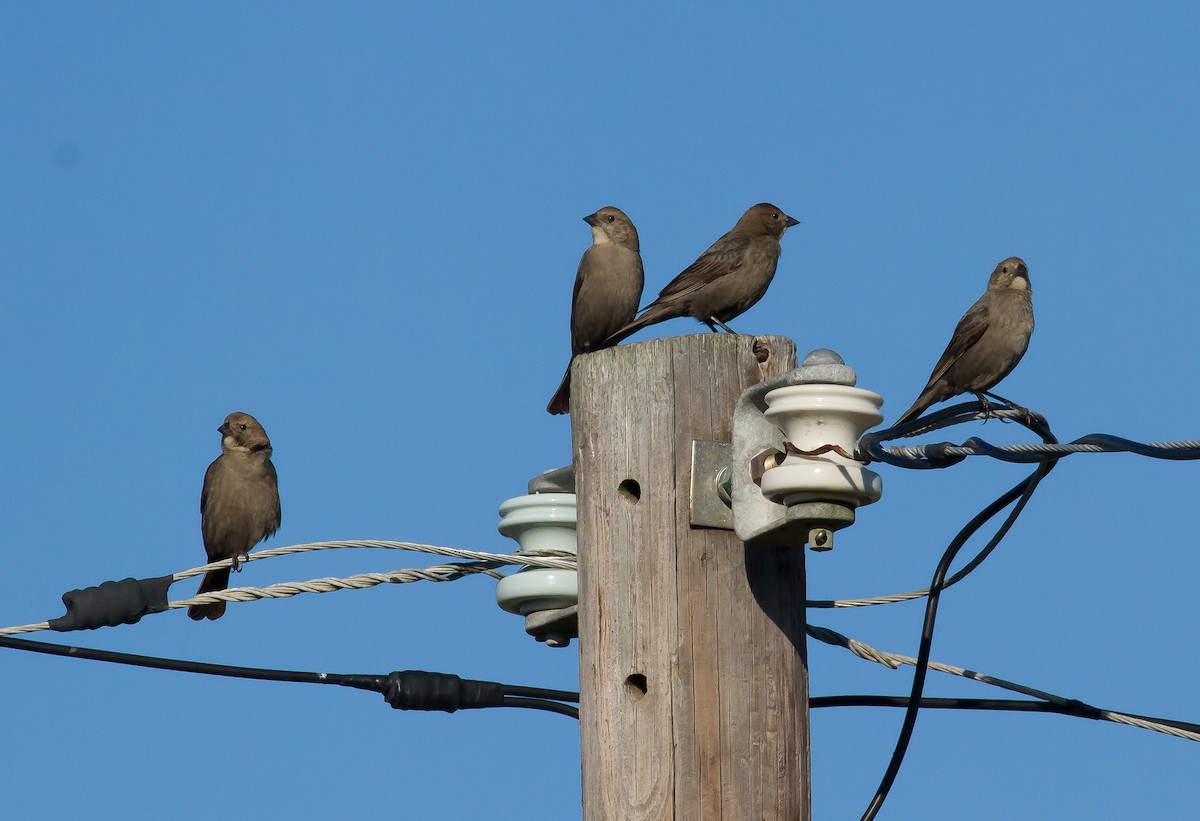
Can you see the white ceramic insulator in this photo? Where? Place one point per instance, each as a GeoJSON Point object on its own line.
{"type": "Point", "coordinates": [540, 523]}
{"type": "Point", "coordinates": [813, 415]}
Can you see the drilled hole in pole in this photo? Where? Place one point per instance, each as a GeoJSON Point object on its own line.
{"type": "Point", "coordinates": [635, 687]}
{"type": "Point", "coordinates": [630, 491]}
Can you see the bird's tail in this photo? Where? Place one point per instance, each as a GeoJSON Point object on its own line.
{"type": "Point", "coordinates": [560, 403]}
{"type": "Point", "coordinates": [910, 414]}
{"type": "Point", "coordinates": [656, 311]}
{"type": "Point", "coordinates": [213, 580]}
{"type": "Point", "coordinates": [930, 396]}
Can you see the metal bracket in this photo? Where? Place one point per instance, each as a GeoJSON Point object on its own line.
{"type": "Point", "coordinates": [558, 480]}
{"type": "Point", "coordinates": [709, 502]}
{"type": "Point", "coordinates": [756, 519]}
{"type": "Point", "coordinates": [555, 627]}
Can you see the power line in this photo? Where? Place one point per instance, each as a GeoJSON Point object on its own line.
{"type": "Point", "coordinates": [1028, 453]}
{"type": "Point", "coordinates": [126, 602]}
{"type": "Point", "coordinates": [1075, 708]}
{"type": "Point", "coordinates": [895, 660]}
{"type": "Point", "coordinates": [1023, 490]}
{"type": "Point", "coordinates": [403, 690]}
{"type": "Point", "coordinates": [1045, 455]}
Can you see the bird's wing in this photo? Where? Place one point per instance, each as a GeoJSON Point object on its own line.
{"type": "Point", "coordinates": [210, 509]}
{"type": "Point", "coordinates": [723, 257]}
{"type": "Point", "coordinates": [276, 514]}
{"type": "Point", "coordinates": [966, 333]}
{"type": "Point", "coordinates": [210, 476]}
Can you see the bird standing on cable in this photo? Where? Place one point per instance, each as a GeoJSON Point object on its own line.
{"type": "Point", "coordinates": [988, 342]}
{"type": "Point", "coordinates": [239, 504]}
{"type": "Point", "coordinates": [727, 279]}
{"type": "Point", "coordinates": [608, 288]}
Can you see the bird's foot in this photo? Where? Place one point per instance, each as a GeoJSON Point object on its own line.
{"type": "Point", "coordinates": [236, 567]}
{"type": "Point", "coordinates": [988, 408]}
{"type": "Point", "coordinates": [1019, 411]}
{"type": "Point", "coordinates": [1024, 414]}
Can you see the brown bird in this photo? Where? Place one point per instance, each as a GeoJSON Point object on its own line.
{"type": "Point", "coordinates": [239, 504]}
{"type": "Point", "coordinates": [608, 288]}
{"type": "Point", "coordinates": [727, 279]}
{"type": "Point", "coordinates": [988, 342]}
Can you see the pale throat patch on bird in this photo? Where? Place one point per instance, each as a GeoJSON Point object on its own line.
{"type": "Point", "coordinates": [1019, 284]}
{"type": "Point", "coordinates": [229, 444]}
{"type": "Point", "coordinates": [598, 235]}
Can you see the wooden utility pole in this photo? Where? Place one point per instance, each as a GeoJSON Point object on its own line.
{"type": "Point", "coordinates": [693, 675]}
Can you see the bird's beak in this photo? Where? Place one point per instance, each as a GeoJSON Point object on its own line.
{"type": "Point", "coordinates": [788, 222]}
{"type": "Point", "coordinates": [224, 428]}
{"type": "Point", "coordinates": [592, 220]}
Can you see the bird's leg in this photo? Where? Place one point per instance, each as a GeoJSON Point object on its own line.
{"type": "Point", "coordinates": [724, 327]}
{"type": "Point", "coordinates": [987, 406]}
{"type": "Point", "coordinates": [238, 558]}
{"type": "Point", "coordinates": [1011, 405]}
{"type": "Point", "coordinates": [710, 325]}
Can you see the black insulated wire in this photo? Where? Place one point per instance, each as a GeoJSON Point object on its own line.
{"type": "Point", "coordinates": [1075, 709]}
{"type": "Point", "coordinates": [410, 689]}
{"type": "Point", "coordinates": [542, 704]}
{"type": "Point", "coordinates": [936, 455]}
{"type": "Point", "coordinates": [1020, 493]}
{"type": "Point", "coordinates": [871, 447]}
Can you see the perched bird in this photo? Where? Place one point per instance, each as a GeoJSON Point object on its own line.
{"type": "Point", "coordinates": [988, 342]}
{"type": "Point", "coordinates": [727, 279]}
{"type": "Point", "coordinates": [608, 288]}
{"type": "Point", "coordinates": [239, 504]}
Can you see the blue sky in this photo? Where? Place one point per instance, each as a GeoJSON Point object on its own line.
{"type": "Point", "coordinates": [361, 224]}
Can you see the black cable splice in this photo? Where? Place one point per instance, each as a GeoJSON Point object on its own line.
{"type": "Point", "coordinates": [428, 691]}
{"type": "Point", "coordinates": [420, 690]}
{"type": "Point", "coordinates": [937, 457]}
{"type": "Point", "coordinates": [112, 603]}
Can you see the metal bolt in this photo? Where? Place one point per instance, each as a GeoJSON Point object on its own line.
{"type": "Point", "coordinates": [820, 539]}
{"type": "Point", "coordinates": [763, 462]}
{"type": "Point", "coordinates": [725, 486]}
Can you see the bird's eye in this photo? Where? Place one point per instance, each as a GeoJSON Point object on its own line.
{"type": "Point", "coordinates": [1004, 269]}
{"type": "Point", "coordinates": [611, 218]}
{"type": "Point", "coordinates": [241, 427]}
{"type": "Point", "coordinates": [775, 216]}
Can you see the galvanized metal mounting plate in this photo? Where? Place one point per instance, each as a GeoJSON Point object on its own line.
{"type": "Point", "coordinates": [707, 507]}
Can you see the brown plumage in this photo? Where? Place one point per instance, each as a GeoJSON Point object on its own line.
{"type": "Point", "coordinates": [608, 288]}
{"type": "Point", "coordinates": [239, 504]}
{"type": "Point", "coordinates": [727, 279]}
{"type": "Point", "coordinates": [988, 342]}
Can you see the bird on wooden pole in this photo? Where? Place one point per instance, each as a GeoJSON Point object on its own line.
{"type": "Point", "coordinates": [727, 279]}
{"type": "Point", "coordinates": [608, 288]}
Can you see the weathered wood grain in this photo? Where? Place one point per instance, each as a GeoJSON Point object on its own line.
{"type": "Point", "coordinates": [712, 632]}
